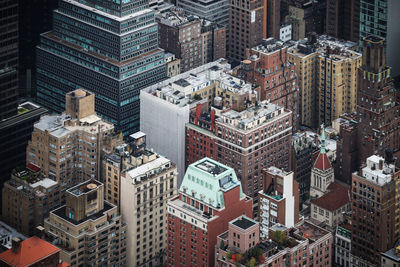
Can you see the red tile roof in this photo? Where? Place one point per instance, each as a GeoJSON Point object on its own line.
{"type": "Point", "coordinates": [322, 162]}
{"type": "Point", "coordinates": [32, 250]}
{"type": "Point", "coordinates": [337, 197]}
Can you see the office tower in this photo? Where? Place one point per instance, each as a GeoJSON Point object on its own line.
{"type": "Point", "coordinates": [210, 196]}
{"type": "Point", "coordinates": [246, 27]}
{"type": "Point", "coordinates": [343, 245]}
{"type": "Point", "coordinates": [327, 75]}
{"type": "Point", "coordinates": [88, 230]}
{"type": "Point", "coordinates": [8, 58]}
{"type": "Point", "coordinates": [380, 18]}
{"type": "Point", "coordinates": [166, 106]}
{"type": "Point", "coordinates": [27, 198]}
{"type": "Point", "coordinates": [247, 141]}
{"type": "Point", "coordinates": [343, 19]}
{"type": "Point", "coordinates": [378, 107]}
{"type": "Point", "coordinates": [15, 132]}
{"type": "Point", "coordinates": [373, 208]}
{"type": "Point", "coordinates": [215, 11]}
{"type": "Point", "coordinates": [33, 251]}
{"type": "Point", "coordinates": [145, 189]}
{"type": "Point", "coordinates": [35, 17]}
{"type": "Point", "coordinates": [69, 147]}
{"type": "Point", "coordinates": [273, 18]}
{"type": "Point", "coordinates": [279, 200]}
{"type": "Point", "coordinates": [110, 49]}
{"type": "Point", "coordinates": [301, 163]}
{"type": "Point", "coordinates": [268, 67]}
{"type": "Point", "coordinates": [347, 156]}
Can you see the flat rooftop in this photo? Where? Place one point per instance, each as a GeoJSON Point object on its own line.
{"type": "Point", "coordinates": [243, 222]}
{"type": "Point", "coordinates": [211, 167]}
{"type": "Point", "coordinates": [310, 231]}
{"type": "Point", "coordinates": [60, 212]}
{"type": "Point", "coordinates": [84, 188]}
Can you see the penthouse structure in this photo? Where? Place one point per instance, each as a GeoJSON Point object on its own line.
{"type": "Point", "coordinates": [305, 244]}
{"type": "Point", "coordinates": [107, 47]}
{"type": "Point", "coordinates": [268, 67]}
{"type": "Point", "coordinates": [248, 141]}
{"type": "Point", "coordinates": [68, 147]}
{"type": "Point", "coordinates": [209, 198]}
{"type": "Point", "coordinates": [374, 210]}
{"type": "Point", "coordinates": [279, 200]}
{"type": "Point", "coordinates": [27, 198]}
{"type": "Point", "coordinates": [88, 230]}
{"type": "Point", "coordinates": [327, 77]}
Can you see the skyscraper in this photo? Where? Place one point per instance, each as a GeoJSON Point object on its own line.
{"type": "Point", "coordinates": [107, 47]}
{"type": "Point", "coordinates": [343, 19]}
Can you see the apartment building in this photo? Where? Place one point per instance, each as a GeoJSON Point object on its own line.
{"type": "Point", "coordinates": [374, 226]}
{"type": "Point", "coordinates": [255, 138]}
{"type": "Point", "coordinates": [267, 66]}
{"type": "Point", "coordinates": [327, 77]}
{"type": "Point", "coordinates": [213, 39]}
{"type": "Point", "coordinates": [246, 27]}
{"type": "Point", "coordinates": [27, 199]}
{"type": "Point", "coordinates": [209, 198]}
{"type": "Point", "coordinates": [304, 244]}
{"type": "Point", "coordinates": [343, 19]}
{"type": "Point", "coordinates": [279, 200]}
{"type": "Point", "coordinates": [145, 188]}
{"type": "Point", "coordinates": [88, 230]}
{"type": "Point", "coordinates": [68, 147]}
{"type": "Point", "coordinates": [343, 245]}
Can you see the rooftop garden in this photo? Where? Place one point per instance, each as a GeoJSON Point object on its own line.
{"type": "Point", "coordinates": [250, 258]}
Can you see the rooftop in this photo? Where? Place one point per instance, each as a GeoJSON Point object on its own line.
{"type": "Point", "coordinates": [175, 17]}
{"type": "Point", "coordinates": [393, 253]}
{"type": "Point", "coordinates": [7, 233]}
{"type": "Point", "coordinates": [269, 45]}
{"type": "Point", "coordinates": [149, 169]}
{"type": "Point", "coordinates": [378, 171]}
{"type": "Point", "coordinates": [60, 212]}
{"type": "Point", "coordinates": [310, 231]}
{"type": "Point", "coordinates": [243, 222]}
{"type": "Point", "coordinates": [31, 251]}
{"type": "Point", "coordinates": [337, 196]}
{"type": "Point", "coordinates": [207, 180]}
{"type": "Point", "coordinates": [84, 188]}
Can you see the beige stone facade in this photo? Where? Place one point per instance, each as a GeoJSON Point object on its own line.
{"type": "Point", "coordinates": [88, 230]}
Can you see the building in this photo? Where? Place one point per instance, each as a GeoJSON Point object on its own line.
{"type": "Point", "coordinates": [296, 19]}
{"type": "Point", "coordinates": [167, 105]}
{"type": "Point", "coordinates": [273, 20]}
{"type": "Point", "coordinates": [173, 65]}
{"type": "Point", "coordinates": [347, 157]}
{"type": "Point", "coordinates": [268, 67]}
{"type": "Point", "coordinates": [33, 251]}
{"type": "Point", "coordinates": [27, 199]}
{"type": "Point", "coordinates": [214, 11]}
{"type": "Point", "coordinates": [181, 35]}
{"type": "Point", "coordinates": [343, 19]}
{"type": "Point", "coordinates": [7, 234]}
{"type": "Point", "coordinates": [248, 141]}
{"type": "Point", "coordinates": [373, 225]}
{"type": "Point", "coordinates": [79, 52]}
{"type": "Point", "coordinates": [279, 200]}
{"type": "Point", "coordinates": [145, 190]}
{"type": "Point", "coordinates": [391, 258]}
{"type": "Point", "coordinates": [379, 18]}
{"type": "Point", "coordinates": [34, 18]}
{"type": "Point", "coordinates": [301, 163]}
{"type": "Point", "coordinates": [305, 244]}
{"type": "Point", "coordinates": [343, 245]}
{"type": "Point", "coordinates": [8, 59]}
{"type": "Point", "coordinates": [378, 103]}
{"type": "Point", "coordinates": [88, 230]}
{"type": "Point", "coordinates": [15, 132]}
{"type": "Point", "coordinates": [285, 32]}
{"type": "Point", "coordinates": [327, 77]}
{"type": "Point", "coordinates": [69, 147]}
{"type": "Point", "coordinates": [246, 27]}
{"type": "Point", "coordinates": [213, 39]}
{"type": "Point", "coordinates": [209, 198]}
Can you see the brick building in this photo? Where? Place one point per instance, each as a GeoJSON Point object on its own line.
{"type": "Point", "coordinates": [27, 199]}
{"type": "Point", "coordinates": [246, 27]}
{"type": "Point", "coordinates": [248, 141]}
{"type": "Point", "coordinates": [374, 210]}
{"type": "Point", "coordinates": [278, 201]}
{"type": "Point", "coordinates": [213, 39]}
{"type": "Point", "coordinates": [343, 19]}
{"type": "Point", "coordinates": [378, 109]}
{"type": "Point", "coordinates": [209, 198]}
{"type": "Point", "coordinates": [268, 67]}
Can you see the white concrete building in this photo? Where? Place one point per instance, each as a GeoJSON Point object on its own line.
{"type": "Point", "coordinates": [285, 32]}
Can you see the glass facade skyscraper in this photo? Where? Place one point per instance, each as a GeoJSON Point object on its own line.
{"type": "Point", "coordinates": [109, 47]}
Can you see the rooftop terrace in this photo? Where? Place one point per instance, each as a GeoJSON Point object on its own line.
{"type": "Point", "coordinates": [243, 222]}
{"type": "Point", "coordinates": [84, 188]}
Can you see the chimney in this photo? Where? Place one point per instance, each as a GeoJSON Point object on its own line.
{"type": "Point", "coordinates": [380, 164]}
{"type": "Point", "coordinates": [212, 120]}
{"type": "Point", "coordinates": [40, 232]}
{"type": "Point", "coordinates": [16, 243]}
